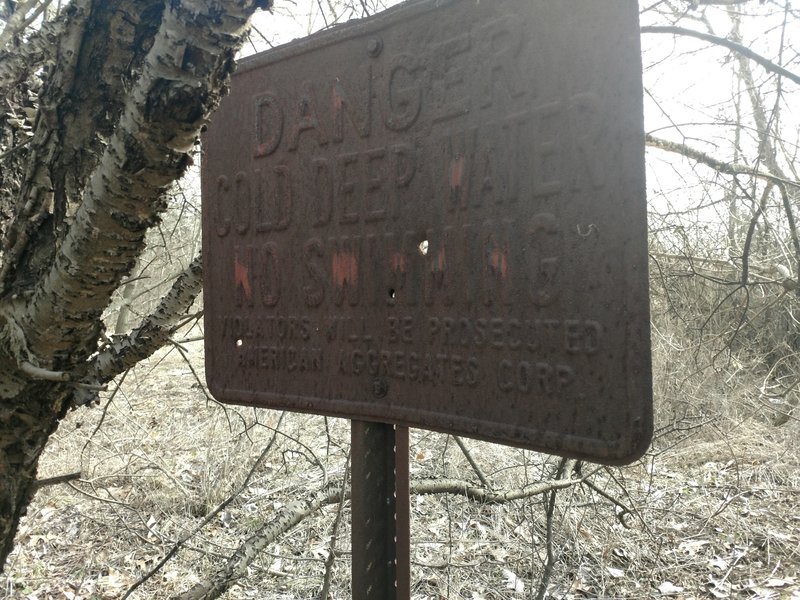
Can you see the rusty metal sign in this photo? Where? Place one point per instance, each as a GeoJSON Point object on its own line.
{"type": "Point", "coordinates": [436, 217]}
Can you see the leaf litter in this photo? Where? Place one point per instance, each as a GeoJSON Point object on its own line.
{"type": "Point", "coordinates": [708, 519]}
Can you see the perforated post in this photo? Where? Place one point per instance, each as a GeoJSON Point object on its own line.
{"type": "Point", "coordinates": [379, 508]}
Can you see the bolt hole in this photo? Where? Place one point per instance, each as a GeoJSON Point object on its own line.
{"type": "Point", "coordinates": [423, 247]}
{"type": "Point", "coordinates": [392, 293]}
{"type": "Point", "coordinates": [239, 343]}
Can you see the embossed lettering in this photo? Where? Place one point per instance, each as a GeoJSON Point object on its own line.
{"type": "Point", "coordinates": [351, 177]}
{"type": "Point", "coordinates": [275, 201]}
{"type": "Point", "coordinates": [269, 124]}
{"type": "Point", "coordinates": [588, 133]}
{"type": "Point", "coordinates": [222, 203]}
{"type": "Point", "coordinates": [404, 93]}
{"type": "Point", "coordinates": [306, 117]}
{"type": "Point", "coordinates": [359, 112]}
{"type": "Point", "coordinates": [449, 78]}
{"type": "Point", "coordinates": [544, 241]}
{"type": "Point", "coordinates": [321, 192]}
{"type": "Point", "coordinates": [242, 202]}
{"type": "Point", "coordinates": [500, 46]}
{"type": "Point", "coordinates": [438, 273]}
{"type": "Point", "coordinates": [314, 286]}
{"type": "Point", "coordinates": [257, 274]}
{"type": "Point", "coordinates": [539, 378]}
{"type": "Point", "coordinates": [374, 179]}
{"type": "Point", "coordinates": [548, 131]}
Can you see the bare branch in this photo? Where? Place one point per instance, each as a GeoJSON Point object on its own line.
{"type": "Point", "coordinates": [329, 560]}
{"type": "Point", "coordinates": [155, 330]}
{"type": "Point", "coordinates": [550, 518]}
{"type": "Point", "coordinates": [53, 319]}
{"type": "Point", "coordinates": [20, 20]}
{"type": "Point", "coordinates": [789, 211]}
{"type": "Point", "coordinates": [13, 149]}
{"type": "Point", "coordinates": [472, 461]}
{"type": "Point", "coordinates": [751, 229]}
{"type": "Point", "coordinates": [739, 48]}
{"type": "Point", "coordinates": [716, 164]}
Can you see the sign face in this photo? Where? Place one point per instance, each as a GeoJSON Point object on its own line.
{"type": "Point", "coordinates": [436, 217]}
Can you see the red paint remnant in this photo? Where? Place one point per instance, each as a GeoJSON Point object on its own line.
{"type": "Point", "coordinates": [456, 173]}
{"type": "Point", "coordinates": [399, 262]}
{"type": "Point", "coordinates": [498, 260]}
{"type": "Point", "coordinates": [438, 263]}
{"type": "Point", "coordinates": [338, 99]}
{"type": "Point", "coordinates": [241, 277]}
{"type": "Point", "coordinates": [344, 269]}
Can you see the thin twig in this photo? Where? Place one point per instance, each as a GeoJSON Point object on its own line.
{"type": "Point", "coordinates": [623, 509]}
{"type": "Point", "coordinates": [787, 207]}
{"type": "Point", "coordinates": [13, 149]}
{"type": "Point", "coordinates": [551, 509]}
{"type": "Point", "coordinates": [331, 558]}
{"type": "Point", "coordinates": [472, 461]}
{"type": "Point", "coordinates": [751, 229]}
{"type": "Point", "coordinates": [174, 550]}
{"type": "Point", "coordinates": [460, 487]}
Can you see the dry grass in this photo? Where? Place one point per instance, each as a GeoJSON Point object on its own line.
{"type": "Point", "coordinates": [712, 507]}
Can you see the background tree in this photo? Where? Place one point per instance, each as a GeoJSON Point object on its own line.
{"type": "Point", "coordinates": [724, 237]}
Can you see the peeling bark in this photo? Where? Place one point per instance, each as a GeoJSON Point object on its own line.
{"type": "Point", "coordinates": [112, 168]}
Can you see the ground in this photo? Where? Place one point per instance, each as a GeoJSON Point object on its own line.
{"type": "Point", "coordinates": [710, 512]}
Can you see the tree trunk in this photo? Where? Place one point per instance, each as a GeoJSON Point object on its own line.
{"type": "Point", "coordinates": [25, 426]}
{"type": "Point", "coordinates": [90, 191]}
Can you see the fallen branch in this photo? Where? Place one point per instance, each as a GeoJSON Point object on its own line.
{"type": "Point", "coordinates": [236, 566]}
{"type": "Point", "coordinates": [481, 495]}
{"type": "Point", "coordinates": [294, 513]}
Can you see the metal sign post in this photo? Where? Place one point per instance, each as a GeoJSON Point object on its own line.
{"type": "Point", "coordinates": [380, 511]}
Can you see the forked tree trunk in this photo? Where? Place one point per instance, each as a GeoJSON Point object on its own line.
{"type": "Point", "coordinates": [164, 76]}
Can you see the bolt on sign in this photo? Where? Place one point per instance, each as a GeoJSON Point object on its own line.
{"type": "Point", "coordinates": [436, 217]}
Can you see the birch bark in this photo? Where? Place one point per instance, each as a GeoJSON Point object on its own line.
{"type": "Point", "coordinates": [131, 85]}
